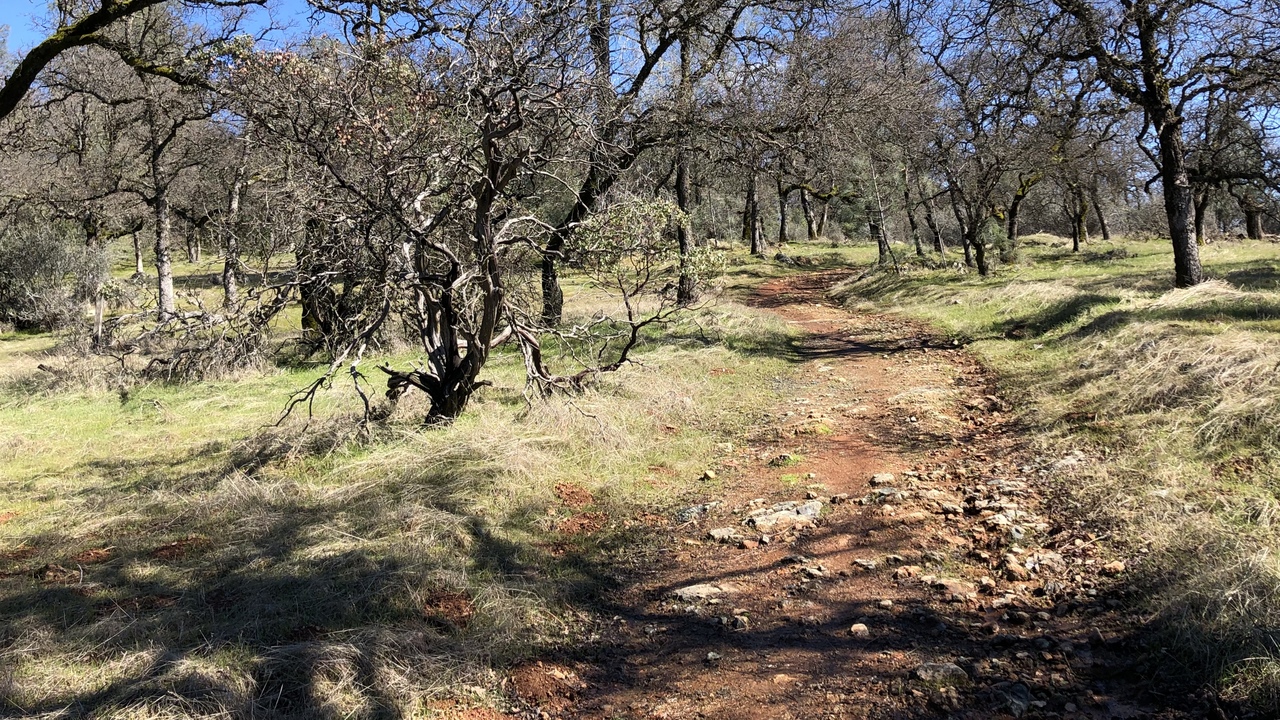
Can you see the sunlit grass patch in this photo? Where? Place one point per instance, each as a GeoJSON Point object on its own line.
{"type": "Point", "coordinates": [169, 551]}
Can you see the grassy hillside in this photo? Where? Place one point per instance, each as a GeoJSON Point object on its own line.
{"type": "Point", "coordinates": [167, 550]}
{"type": "Point", "coordinates": [1176, 395]}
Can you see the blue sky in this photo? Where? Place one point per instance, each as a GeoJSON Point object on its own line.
{"type": "Point", "coordinates": [23, 18]}
{"type": "Point", "coordinates": [19, 16]}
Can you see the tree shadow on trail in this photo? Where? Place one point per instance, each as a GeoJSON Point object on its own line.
{"type": "Point", "coordinates": [796, 657]}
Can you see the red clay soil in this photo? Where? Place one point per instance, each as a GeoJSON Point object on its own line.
{"type": "Point", "coordinates": [949, 590]}
{"type": "Point", "coordinates": [574, 496]}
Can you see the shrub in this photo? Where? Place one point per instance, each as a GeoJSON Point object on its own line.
{"type": "Point", "coordinates": [45, 275]}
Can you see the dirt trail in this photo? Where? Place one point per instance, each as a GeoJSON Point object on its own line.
{"type": "Point", "coordinates": [946, 591]}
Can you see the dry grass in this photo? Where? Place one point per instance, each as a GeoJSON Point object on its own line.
{"type": "Point", "coordinates": [1176, 392]}
{"type": "Point", "coordinates": [169, 554]}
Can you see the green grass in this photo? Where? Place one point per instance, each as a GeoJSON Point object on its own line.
{"type": "Point", "coordinates": [1175, 390]}
{"type": "Point", "coordinates": [166, 550]}
{"type": "Point", "coordinates": [304, 571]}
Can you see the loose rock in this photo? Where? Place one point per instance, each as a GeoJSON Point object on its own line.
{"type": "Point", "coordinates": [724, 535]}
{"type": "Point", "coordinates": [913, 518]}
{"type": "Point", "coordinates": [703, 591]}
{"type": "Point", "coordinates": [693, 512]}
{"type": "Point", "coordinates": [1014, 569]}
{"type": "Point", "coordinates": [955, 590]}
{"type": "Point", "coordinates": [942, 674]}
{"type": "Point", "coordinates": [1015, 698]}
{"type": "Point", "coordinates": [785, 516]}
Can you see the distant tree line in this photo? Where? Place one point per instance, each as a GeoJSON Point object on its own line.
{"type": "Point", "coordinates": [426, 171]}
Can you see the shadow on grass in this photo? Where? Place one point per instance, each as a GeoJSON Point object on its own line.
{"type": "Point", "coordinates": [279, 603]}
{"type": "Point", "coordinates": [1054, 317]}
{"type": "Point", "coordinates": [1213, 312]}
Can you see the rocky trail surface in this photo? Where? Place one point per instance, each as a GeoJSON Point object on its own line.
{"type": "Point", "coordinates": [884, 546]}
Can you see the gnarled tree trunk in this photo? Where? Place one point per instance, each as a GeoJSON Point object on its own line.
{"type": "Point", "coordinates": [231, 261]}
{"type": "Point", "coordinates": [685, 292]}
{"type": "Point", "coordinates": [751, 231]}
{"type": "Point", "coordinates": [964, 229]}
{"type": "Point", "coordinates": [783, 194]}
{"type": "Point", "coordinates": [1200, 206]}
{"type": "Point", "coordinates": [1009, 250]}
{"type": "Point", "coordinates": [1179, 202]}
{"type": "Point", "coordinates": [811, 223]}
{"type": "Point", "coordinates": [1102, 217]}
{"type": "Point", "coordinates": [911, 212]}
{"type": "Point", "coordinates": [165, 306]}
{"type": "Point", "coordinates": [1253, 223]}
{"type": "Point", "coordinates": [974, 240]}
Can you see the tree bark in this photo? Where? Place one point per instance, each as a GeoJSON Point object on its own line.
{"type": "Point", "coordinates": [911, 212]}
{"type": "Point", "coordinates": [1102, 218]}
{"type": "Point", "coordinates": [973, 240]}
{"type": "Point", "coordinates": [315, 292]}
{"type": "Point", "coordinates": [166, 307]}
{"type": "Point", "coordinates": [685, 291]}
{"type": "Point", "coordinates": [552, 295]}
{"type": "Point", "coordinates": [1179, 204]}
{"type": "Point", "coordinates": [885, 253]}
{"type": "Point", "coordinates": [595, 185]}
{"type": "Point", "coordinates": [1253, 223]}
{"type": "Point", "coordinates": [1076, 207]}
{"type": "Point", "coordinates": [964, 230]}
{"type": "Point", "coordinates": [811, 222]}
{"type": "Point", "coordinates": [598, 180]}
{"type": "Point", "coordinates": [875, 217]}
{"type": "Point", "coordinates": [93, 241]}
{"type": "Point", "coordinates": [1200, 203]}
{"type": "Point", "coordinates": [138, 270]}
{"type": "Point", "coordinates": [751, 229]}
{"type": "Point", "coordinates": [1009, 252]}
{"type": "Point", "coordinates": [231, 261]}
{"type": "Point", "coordinates": [939, 244]}
{"type": "Point", "coordinates": [783, 194]}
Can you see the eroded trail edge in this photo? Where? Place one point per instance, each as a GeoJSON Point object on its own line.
{"type": "Point", "coordinates": [881, 547]}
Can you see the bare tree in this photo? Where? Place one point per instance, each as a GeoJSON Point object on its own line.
{"type": "Point", "coordinates": [90, 23]}
{"type": "Point", "coordinates": [421, 162]}
{"type": "Point", "coordinates": [990, 88]}
{"type": "Point", "coordinates": [1166, 57]}
{"type": "Point", "coordinates": [634, 107]}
